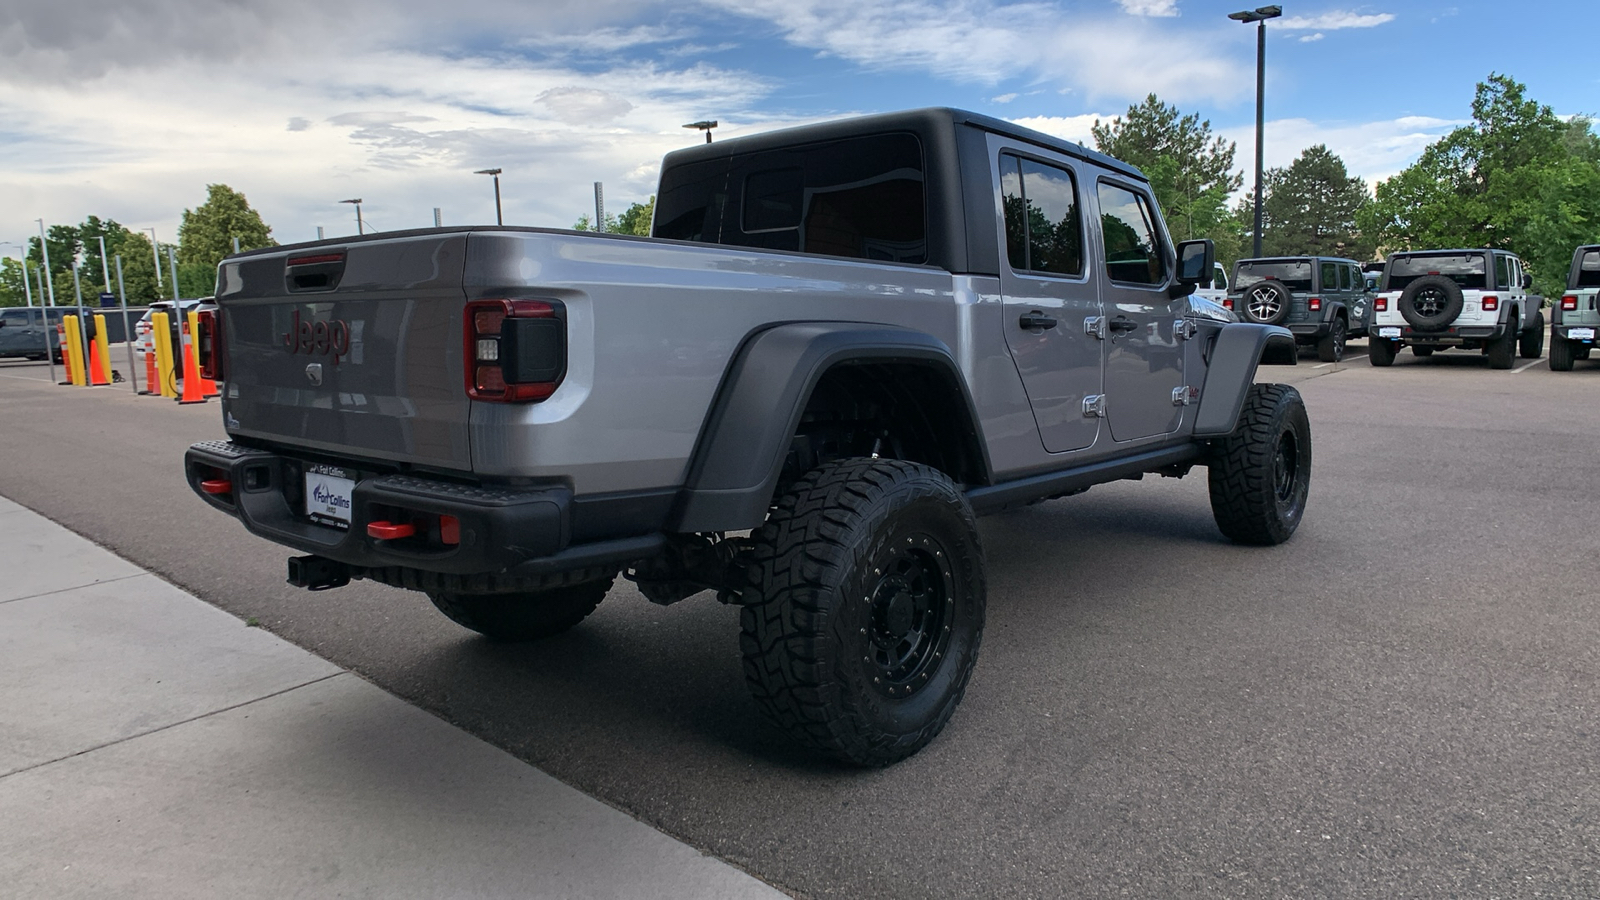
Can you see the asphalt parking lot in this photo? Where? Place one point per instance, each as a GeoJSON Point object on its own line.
{"type": "Point", "coordinates": [1401, 701]}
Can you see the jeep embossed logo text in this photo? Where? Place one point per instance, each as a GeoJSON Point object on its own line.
{"type": "Point", "coordinates": [318, 337]}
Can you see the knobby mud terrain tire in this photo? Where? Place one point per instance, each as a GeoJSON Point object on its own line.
{"type": "Point", "coordinates": [1260, 475]}
{"type": "Point", "coordinates": [1562, 353]}
{"type": "Point", "coordinates": [1266, 303]}
{"type": "Point", "coordinates": [1431, 303]}
{"type": "Point", "coordinates": [865, 609]}
{"type": "Point", "coordinates": [1380, 352]}
{"type": "Point", "coordinates": [1331, 348]}
{"type": "Point", "coordinates": [1502, 353]}
{"type": "Point", "coordinates": [1531, 344]}
{"type": "Point", "coordinates": [524, 616]}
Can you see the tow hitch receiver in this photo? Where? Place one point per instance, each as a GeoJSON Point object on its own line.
{"type": "Point", "coordinates": [317, 574]}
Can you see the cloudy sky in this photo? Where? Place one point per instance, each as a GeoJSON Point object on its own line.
{"type": "Point", "coordinates": [129, 109]}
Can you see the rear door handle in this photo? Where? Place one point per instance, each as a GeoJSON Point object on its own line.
{"type": "Point", "coordinates": [1123, 324]}
{"type": "Point", "coordinates": [1037, 321]}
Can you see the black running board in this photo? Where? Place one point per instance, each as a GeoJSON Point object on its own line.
{"type": "Point", "coordinates": [997, 497]}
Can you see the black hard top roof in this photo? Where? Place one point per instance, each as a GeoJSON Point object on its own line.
{"type": "Point", "coordinates": [908, 120]}
{"type": "Point", "coordinates": [1303, 258]}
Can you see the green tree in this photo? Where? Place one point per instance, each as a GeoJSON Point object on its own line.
{"type": "Point", "coordinates": [207, 232]}
{"type": "Point", "coordinates": [1518, 178]}
{"type": "Point", "coordinates": [634, 220]}
{"type": "Point", "coordinates": [12, 292]}
{"type": "Point", "coordinates": [1190, 169]}
{"type": "Point", "coordinates": [1311, 208]}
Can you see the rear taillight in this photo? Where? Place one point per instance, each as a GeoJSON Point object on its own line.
{"type": "Point", "coordinates": [1490, 303]}
{"type": "Point", "coordinates": [1316, 303]}
{"type": "Point", "coordinates": [515, 350]}
{"type": "Point", "coordinates": [208, 343]}
{"type": "Point", "coordinates": [1380, 304]}
{"type": "Point", "coordinates": [1227, 303]}
{"type": "Point", "coordinates": [1569, 303]}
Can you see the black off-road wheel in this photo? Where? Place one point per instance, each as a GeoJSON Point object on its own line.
{"type": "Point", "coordinates": [1381, 351]}
{"type": "Point", "coordinates": [1431, 302]}
{"type": "Point", "coordinates": [525, 616]}
{"type": "Point", "coordinates": [1331, 348]}
{"type": "Point", "coordinates": [1502, 352]}
{"type": "Point", "coordinates": [1260, 475]}
{"type": "Point", "coordinates": [865, 609]}
{"type": "Point", "coordinates": [1266, 302]}
{"type": "Point", "coordinates": [1531, 344]}
{"type": "Point", "coordinates": [1562, 353]}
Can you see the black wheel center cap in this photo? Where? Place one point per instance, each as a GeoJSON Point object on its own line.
{"type": "Point", "coordinates": [898, 612]}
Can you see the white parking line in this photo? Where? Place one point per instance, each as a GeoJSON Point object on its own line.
{"type": "Point", "coordinates": [1323, 366]}
{"type": "Point", "coordinates": [1526, 366]}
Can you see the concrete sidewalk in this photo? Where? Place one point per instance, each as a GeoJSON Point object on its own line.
{"type": "Point", "coordinates": [153, 745]}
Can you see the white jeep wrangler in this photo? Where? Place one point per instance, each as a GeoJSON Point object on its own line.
{"type": "Point", "coordinates": [1469, 299]}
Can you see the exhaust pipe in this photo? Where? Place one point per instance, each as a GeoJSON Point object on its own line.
{"type": "Point", "coordinates": [317, 574]}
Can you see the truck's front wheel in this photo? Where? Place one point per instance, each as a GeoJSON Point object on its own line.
{"type": "Point", "coordinates": [523, 616]}
{"type": "Point", "coordinates": [1260, 475]}
{"type": "Point", "coordinates": [865, 609]}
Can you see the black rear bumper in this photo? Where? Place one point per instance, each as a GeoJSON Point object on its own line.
{"type": "Point", "coordinates": [513, 531]}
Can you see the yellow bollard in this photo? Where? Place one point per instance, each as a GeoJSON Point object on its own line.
{"type": "Point", "coordinates": [102, 348]}
{"type": "Point", "coordinates": [161, 330]}
{"type": "Point", "coordinates": [75, 370]}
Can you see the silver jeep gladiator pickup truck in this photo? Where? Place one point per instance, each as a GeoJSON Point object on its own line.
{"type": "Point", "coordinates": [841, 344]}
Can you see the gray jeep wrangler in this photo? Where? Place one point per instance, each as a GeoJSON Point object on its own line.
{"type": "Point", "coordinates": [1322, 300]}
{"type": "Point", "coordinates": [1573, 321]}
{"type": "Point", "coordinates": [841, 344]}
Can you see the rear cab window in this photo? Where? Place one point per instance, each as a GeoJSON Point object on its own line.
{"type": "Point", "coordinates": [1294, 274]}
{"type": "Point", "coordinates": [1588, 274]}
{"type": "Point", "coordinates": [1502, 271]}
{"type": "Point", "coordinates": [860, 198]}
{"type": "Point", "coordinates": [1468, 270]}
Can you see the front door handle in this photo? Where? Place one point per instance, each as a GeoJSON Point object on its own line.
{"type": "Point", "coordinates": [1121, 324]}
{"type": "Point", "coordinates": [1037, 321]}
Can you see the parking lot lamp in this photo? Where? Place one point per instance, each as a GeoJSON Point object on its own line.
{"type": "Point", "coordinates": [498, 218]}
{"type": "Point", "coordinates": [1260, 15]}
{"type": "Point", "coordinates": [704, 125]}
{"type": "Point", "coordinates": [360, 229]}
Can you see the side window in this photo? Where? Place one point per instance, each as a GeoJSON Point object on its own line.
{"type": "Point", "coordinates": [1219, 278]}
{"type": "Point", "coordinates": [1589, 270]}
{"type": "Point", "coordinates": [1330, 276]}
{"type": "Point", "coordinates": [1357, 281]}
{"type": "Point", "coordinates": [1344, 277]}
{"type": "Point", "coordinates": [1043, 230]}
{"type": "Point", "coordinates": [1133, 255]}
{"type": "Point", "coordinates": [1502, 270]}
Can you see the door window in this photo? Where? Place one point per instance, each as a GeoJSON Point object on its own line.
{"type": "Point", "coordinates": [1330, 276]}
{"type": "Point", "coordinates": [1043, 231]}
{"type": "Point", "coordinates": [1344, 278]}
{"type": "Point", "coordinates": [1133, 255]}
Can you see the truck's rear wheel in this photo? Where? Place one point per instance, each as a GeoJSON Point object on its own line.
{"type": "Point", "coordinates": [1562, 353]}
{"type": "Point", "coordinates": [1380, 352]}
{"type": "Point", "coordinates": [1502, 352]}
{"type": "Point", "coordinates": [865, 609]}
{"type": "Point", "coordinates": [1331, 348]}
{"type": "Point", "coordinates": [1260, 474]}
{"type": "Point", "coordinates": [1531, 344]}
{"type": "Point", "coordinates": [523, 616]}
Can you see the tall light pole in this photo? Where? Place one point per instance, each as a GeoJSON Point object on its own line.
{"type": "Point", "coordinates": [360, 229]}
{"type": "Point", "coordinates": [156, 249]}
{"type": "Point", "coordinates": [1260, 15]}
{"type": "Point", "coordinates": [704, 125]}
{"type": "Point", "coordinates": [498, 218]}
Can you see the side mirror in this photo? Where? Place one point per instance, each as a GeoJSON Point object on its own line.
{"type": "Point", "coordinates": [1195, 261]}
{"type": "Point", "coordinates": [1527, 281]}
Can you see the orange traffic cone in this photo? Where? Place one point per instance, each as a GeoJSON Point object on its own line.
{"type": "Point", "coordinates": [96, 371]}
{"type": "Point", "coordinates": [152, 377]}
{"type": "Point", "coordinates": [191, 372]}
{"type": "Point", "coordinates": [66, 358]}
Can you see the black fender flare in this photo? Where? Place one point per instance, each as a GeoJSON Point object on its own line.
{"type": "Point", "coordinates": [1240, 348]}
{"type": "Point", "coordinates": [747, 434]}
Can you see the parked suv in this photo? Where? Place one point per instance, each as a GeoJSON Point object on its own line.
{"type": "Point", "coordinates": [1575, 319]}
{"type": "Point", "coordinates": [1322, 300]}
{"type": "Point", "coordinates": [1472, 299]}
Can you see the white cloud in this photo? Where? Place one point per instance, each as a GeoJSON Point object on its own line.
{"type": "Point", "coordinates": [1068, 128]}
{"type": "Point", "coordinates": [1333, 21]}
{"type": "Point", "coordinates": [1160, 8]}
{"type": "Point", "coordinates": [1310, 38]}
{"type": "Point", "coordinates": [1003, 98]}
{"type": "Point", "coordinates": [1370, 150]}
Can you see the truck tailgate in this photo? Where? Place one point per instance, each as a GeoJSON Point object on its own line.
{"type": "Point", "coordinates": [354, 350]}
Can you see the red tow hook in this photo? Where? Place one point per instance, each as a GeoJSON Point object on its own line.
{"type": "Point", "coordinates": [217, 486]}
{"type": "Point", "coordinates": [388, 531]}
